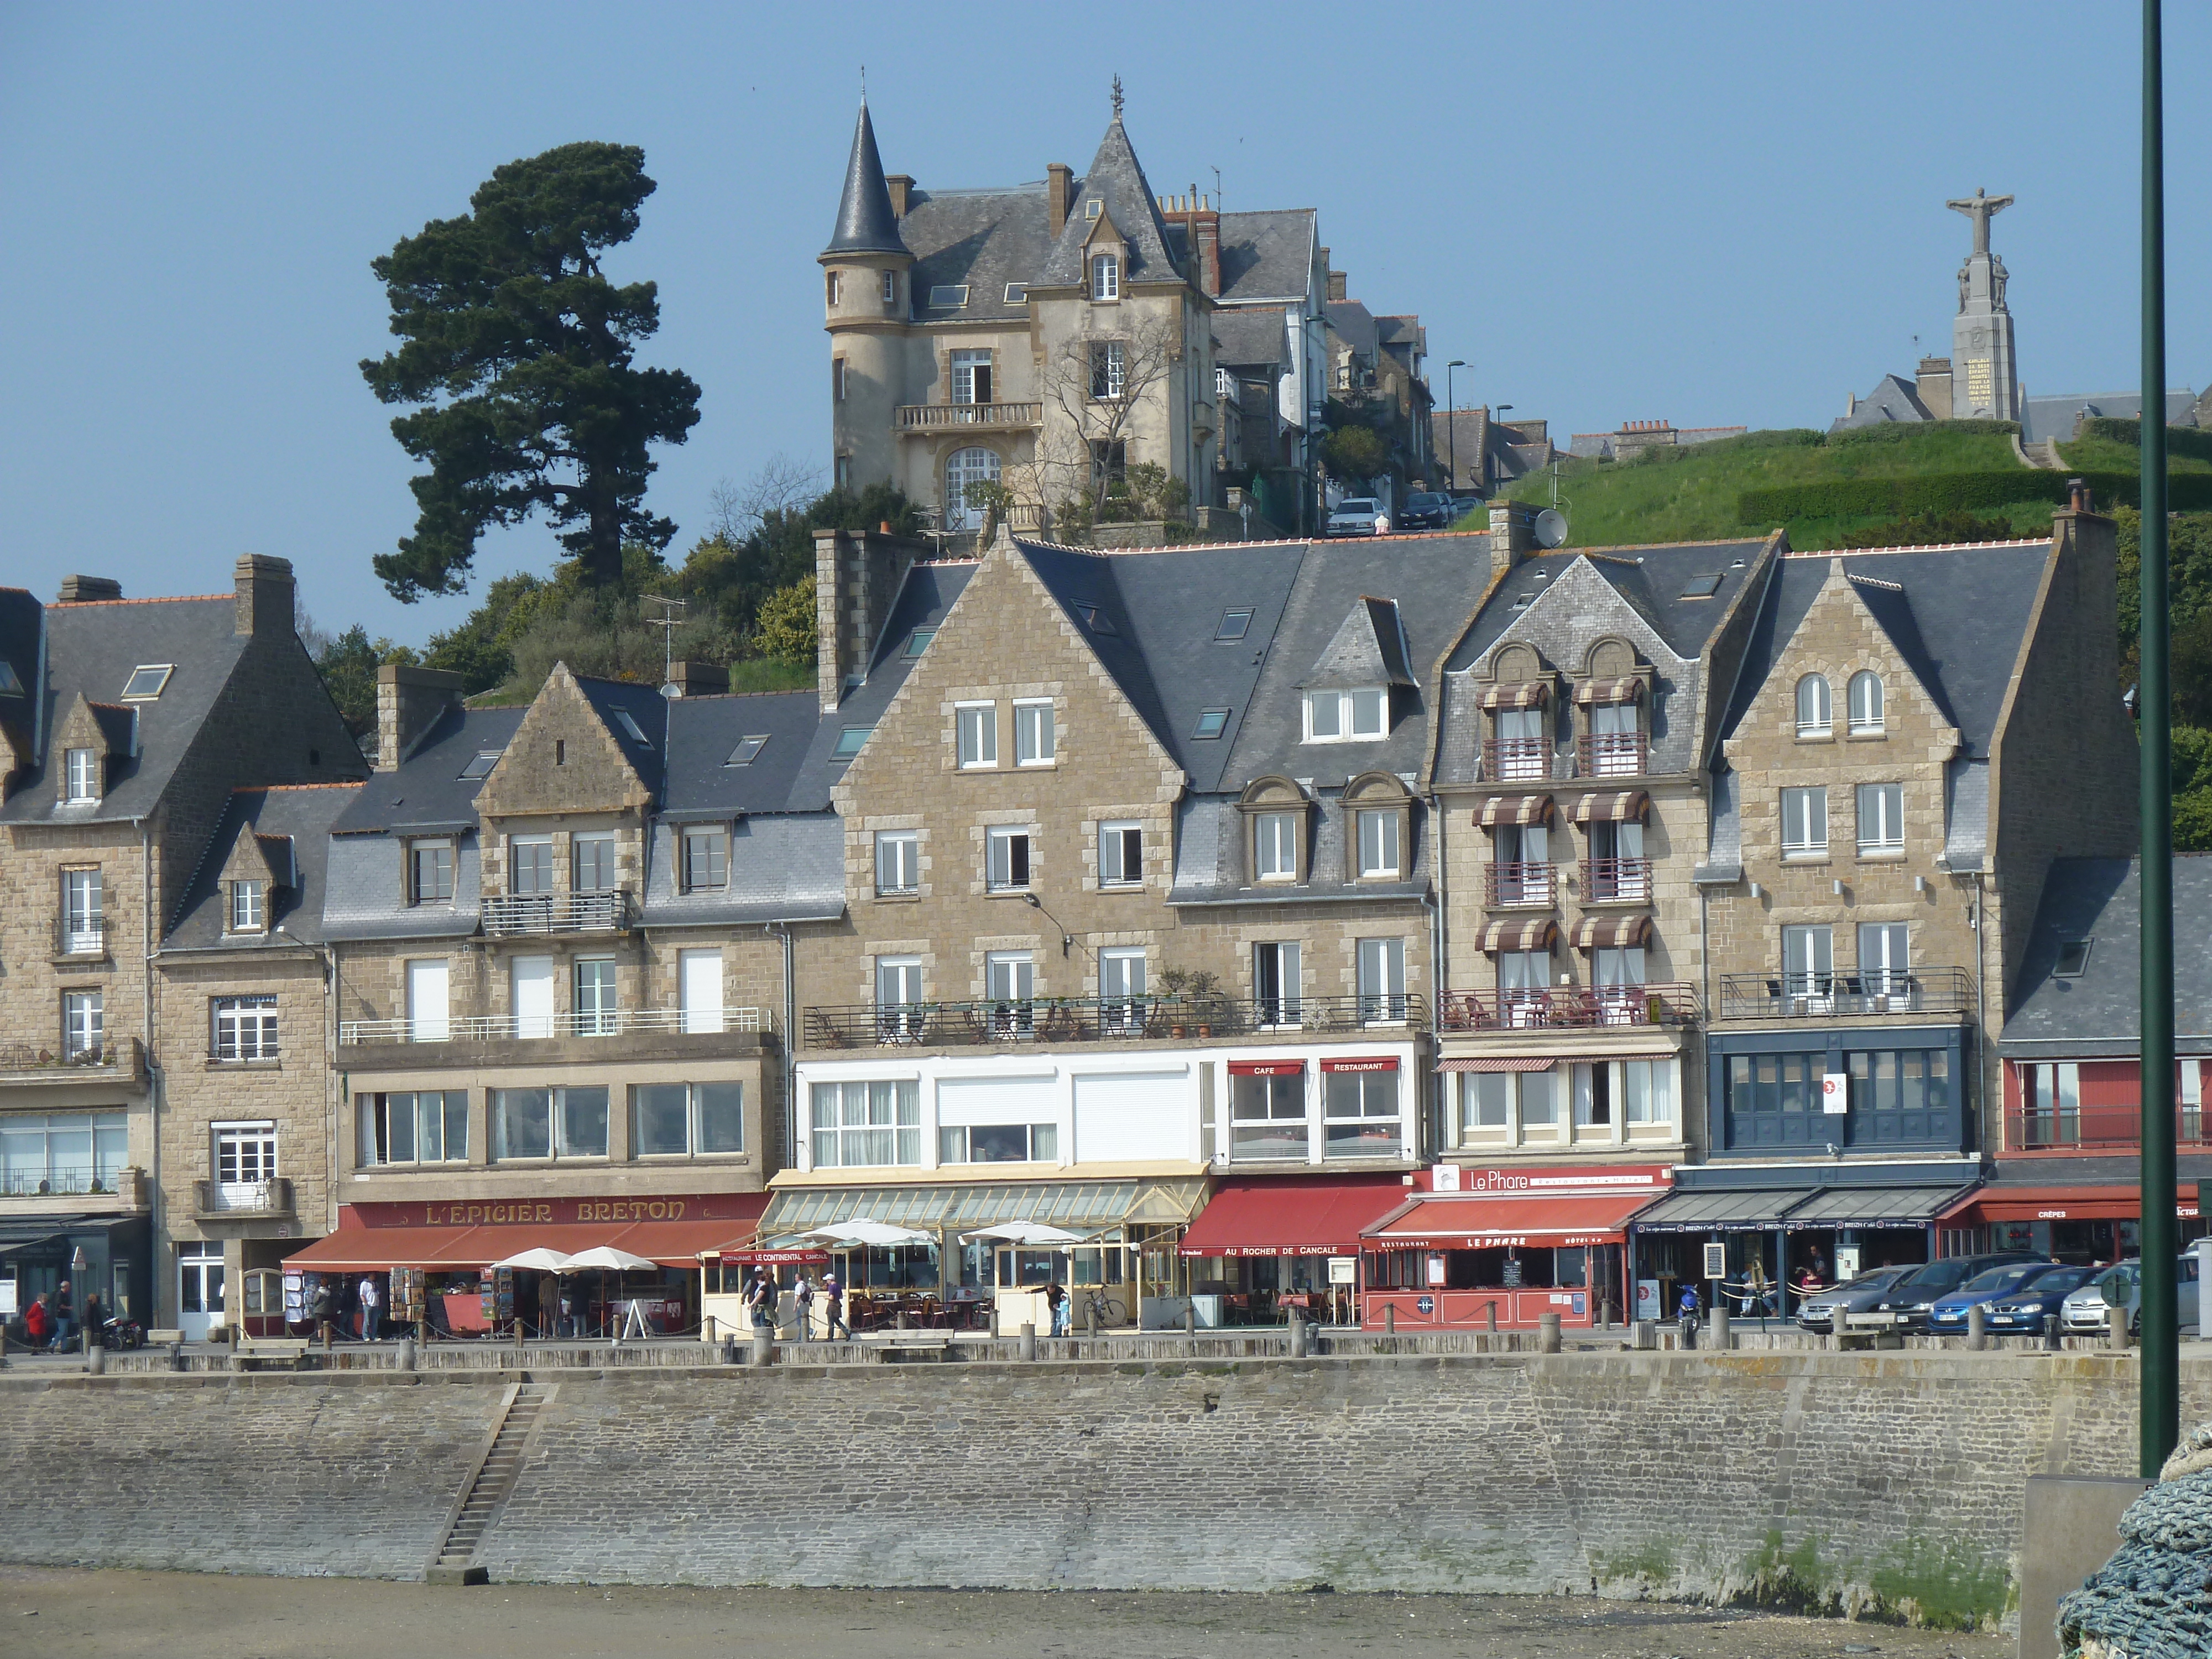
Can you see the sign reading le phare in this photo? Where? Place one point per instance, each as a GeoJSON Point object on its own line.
{"type": "Point", "coordinates": [525, 1211]}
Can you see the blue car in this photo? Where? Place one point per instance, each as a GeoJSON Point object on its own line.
{"type": "Point", "coordinates": [2016, 1282]}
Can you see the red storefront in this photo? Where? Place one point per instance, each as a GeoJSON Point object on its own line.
{"type": "Point", "coordinates": [1300, 1234]}
{"type": "Point", "coordinates": [1508, 1247]}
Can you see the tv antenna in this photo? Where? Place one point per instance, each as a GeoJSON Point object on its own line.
{"type": "Point", "coordinates": [667, 621]}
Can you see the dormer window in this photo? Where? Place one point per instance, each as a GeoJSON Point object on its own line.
{"type": "Point", "coordinates": [147, 681]}
{"type": "Point", "coordinates": [81, 780]}
{"type": "Point", "coordinates": [249, 907]}
{"type": "Point", "coordinates": [1357, 716]}
{"type": "Point", "coordinates": [1105, 276]}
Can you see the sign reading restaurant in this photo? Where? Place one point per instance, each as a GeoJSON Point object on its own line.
{"type": "Point", "coordinates": [515, 1212]}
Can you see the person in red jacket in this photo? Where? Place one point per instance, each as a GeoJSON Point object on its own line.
{"type": "Point", "coordinates": [37, 1324]}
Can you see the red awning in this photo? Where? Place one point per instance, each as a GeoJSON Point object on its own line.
{"type": "Point", "coordinates": [2107, 1203]}
{"type": "Point", "coordinates": [1455, 1222]}
{"type": "Point", "coordinates": [372, 1250]}
{"type": "Point", "coordinates": [1362, 1063]}
{"type": "Point", "coordinates": [1501, 1063]}
{"type": "Point", "coordinates": [1266, 1067]}
{"type": "Point", "coordinates": [1291, 1216]}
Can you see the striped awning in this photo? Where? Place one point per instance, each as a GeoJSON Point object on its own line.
{"type": "Point", "coordinates": [1626, 690]}
{"type": "Point", "coordinates": [1500, 1063]}
{"type": "Point", "coordinates": [1519, 936]}
{"type": "Point", "coordinates": [1515, 809]}
{"type": "Point", "coordinates": [1527, 694]}
{"type": "Point", "coordinates": [1618, 806]}
{"type": "Point", "coordinates": [1611, 932]}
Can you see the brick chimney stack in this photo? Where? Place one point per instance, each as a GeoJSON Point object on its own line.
{"type": "Point", "coordinates": [408, 700]}
{"type": "Point", "coordinates": [900, 185]}
{"type": "Point", "coordinates": [1512, 534]}
{"type": "Point", "coordinates": [86, 590]}
{"type": "Point", "coordinates": [264, 595]}
{"type": "Point", "coordinates": [1335, 286]}
{"type": "Point", "coordinates": [1060, 180]}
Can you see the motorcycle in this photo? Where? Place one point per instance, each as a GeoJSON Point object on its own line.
{"type": "Point", "coordinates": [120, 1335]}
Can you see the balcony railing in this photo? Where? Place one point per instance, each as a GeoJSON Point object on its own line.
{"type": "Point", "coordinates": [1516, 760]}
{"type": "Point", "coordinates": [1583, 1006]}
{"type": "Point", "coordinates": [1825, 995]}
{"type": "Point", "coordinates": [27, 1057]}
{"type": "Point", "coordinates": [57, 1181]}
{"type": "Point", "coordinates": [2095, 1128]}
{"type": "Point", "coordinates": [1617, 881]}
{"type": "Point", "coordinates": [928, 418]}
{"type": "Point", "coordinates": [491, 1028]}
{"type": "Point", "coordinates": [1103, 1019]}
{"type": "Point", "coordinates": [243, 1197]}
{"type": "Point", "coordinates": [1508, 886]}
{"type": "Point", "coordinates": [1612, 754]}
{"type": "Point", "coordinates": [555, 913]}
{"type": "Point", "coordinates": [86, 938]}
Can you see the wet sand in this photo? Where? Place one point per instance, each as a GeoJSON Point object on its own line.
{"type": "Point", "coordinates": [56, 1613]}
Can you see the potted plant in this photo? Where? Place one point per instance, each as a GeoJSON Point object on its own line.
{"type": "Point", "coordinates": [1211, 1007]}
{"type": "Point", "coordinates": [1175, 981]}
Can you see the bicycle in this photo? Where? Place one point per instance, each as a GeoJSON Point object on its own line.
{"type": "Point", "coordinates": [1103, 1310]}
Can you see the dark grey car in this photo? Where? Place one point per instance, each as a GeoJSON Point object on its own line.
{"type": "Point", "coordinates": [1862, 1294]}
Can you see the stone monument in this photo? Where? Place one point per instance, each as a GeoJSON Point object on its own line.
{"type": "Point", "coordinates": [1984, 382]}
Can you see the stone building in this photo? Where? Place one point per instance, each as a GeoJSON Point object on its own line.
{"type": "Point", "coordinates": [125, 725]}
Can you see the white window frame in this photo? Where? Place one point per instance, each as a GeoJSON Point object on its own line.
{"type": "Point", "coordinates": [606, 851]}
{"type": "Point", "coordinates": [836, 291]}
{"type": "Point", "coordinates": [444, 870]}
{"type": "Point", "coordinates": [1115, 869]}
{"type": "Point", "coordinates": [1381, 845]}
{"type": "Point", "coordinates": [80, 784]}
{"type": "Point", "coordinates": [1035, 731]}
{"type": "Point", "coordinates": [249, 907]}
{"type": "Point", "coordinates": [242, 1154]}
{"type": "Point", "coordinates": [534, 853]}
{"type": "Point", "coordinates": [84, 1022]}
{"type": "Point", "coordinates": [1280, 961]}
{"type": "Point", "coordinates": [1383, 997]}
{"type": "Point", "coordinates": [1808, 959]}
{"type": "Point", "coordinates": [1815, 707]}
{"type": "Point", "coordinates": [964, 362]}
{"type": "Point", "coordinates": [84, 924]}
{"type": "Point", "coordinates": [999, 875]}
{"type": "Point", "coordinates": [1275, 846]}
{"type": "Point", "coordinates": [977, 724]}
{"type": "Point", "coordinates": [898, 863]}
{"type": "Point", "coordinates": [1010, 976]}
{"type": "Point", "coordinates": [1105, 276]}
{"type": "Point", "coordinates": [693, 1121]}
{"type": "Point", "coordinates": [1358, 714]}
{"type": "Point", "coordinates": [374, 1114]}
{"type": "Point", "coordinates": [849, 1122]}
{"type": "Point", "coordinates": [1122, 973]}
{"type": "Point", "coordinates": [558, 1137]}
{"type": "Point", "coordinates": [1110, 366]}
{"type": "Point", "coordinates": [1880, 812]}
{"type": "Point", "coordinates": [243, 1029]}
{"type": "Point", "coordinates": [1802, 837]}
{"type": "Point", "coordinates": [713, 840]}
{"type": "Point", "coordinates": [598, 997]}
{"type": "Point", "coordinates": [1867, 700]}
{"type": "Point", "coordinates": [1886, 969]}
{"type": "Point", "coordinates": [891, 287]}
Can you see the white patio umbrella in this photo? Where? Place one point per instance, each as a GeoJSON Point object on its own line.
{"type": "Point", "coordinates": [542, 1259]}
{"type": "Point", "coordinates": [1031, 1233]}
{"type": "Point", "coordinates": [608, 1259]}
{"type": "Point", "coordinates": [862, 1230]}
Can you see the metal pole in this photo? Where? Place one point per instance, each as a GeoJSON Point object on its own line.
{"type": "Point", "coordinates": [2160, 1394]}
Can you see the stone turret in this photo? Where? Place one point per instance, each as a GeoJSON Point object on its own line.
{"type": "Point", "coordinates": [865, 303]}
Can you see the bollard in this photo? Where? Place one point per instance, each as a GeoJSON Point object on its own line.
{"type": "Point", "coordinates": [1029, 1342]}
{"type": "Point", "coordinates": [2116, 1320]}
{"type": "Point", "coordinates": [1721, 1338]}
{"type": "Point", "coordinates": [763, 1348]}
{"type": "Point", "coordinates": [402, 1356]}
{"type": "Point", "coordinates": [730, 1349]}
{"type": "Point", "coordinates": [1977, 1328]}
{"type": "Point", "coordinates": [1390, 1319]}
{"type": "Point", "coordinates": [1838, 1322]}
{"type": "Point", "coordinates": [96, 1361]}
{"type": "Point", "coordinates": [709, 1332]}
{"type": "Point", "coordinates": [176, 1356]}
{"type": "Point", "coordinates": [1297, 1335]}
{"type": "Point", "coordinates": [1547, 1332]}
{"type": "Point", "coordinates": [1643, 1335]}
{"type": "Point", "coordinates": [902, 1319]}
{"type": "Point", "coordinates": [1492, 1317]}
{"type": "Point", "coordinates": [1091, 1319]}
{"type": "Point", "coordinates": [3, 1344]}
{"type": "Point", "coordinates": [1189, 1320]}
{"type": "Point", "coordinates": [2050, 1342]}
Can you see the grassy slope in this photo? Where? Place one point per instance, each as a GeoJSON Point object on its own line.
{"type": "Point", "coordinates": [1690, 493]}
{"type": "Point", "coordinates": [2096, 454]}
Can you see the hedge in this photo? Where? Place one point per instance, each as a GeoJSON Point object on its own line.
{"type": "Point", "coordinates": [1945, 492]}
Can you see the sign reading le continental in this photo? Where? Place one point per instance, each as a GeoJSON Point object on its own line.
{"type": "Point", "coordinates": [715, 1206]}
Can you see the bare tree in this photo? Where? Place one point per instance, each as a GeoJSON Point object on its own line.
{"type": "Point", "coordinates": [782, 484]}
{"type": "Point", "coordinates": [1099, 381]}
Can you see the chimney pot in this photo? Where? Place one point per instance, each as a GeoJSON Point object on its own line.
{"type": "Point", "coordinates": [2077, 496]}
{"type": "Point", "coordinates": [79, 589]}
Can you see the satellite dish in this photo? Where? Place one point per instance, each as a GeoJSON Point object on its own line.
{"type": "Point", "coordinates": [671, 690]}
{"type": "Point", "coordinates": [1551, 527]}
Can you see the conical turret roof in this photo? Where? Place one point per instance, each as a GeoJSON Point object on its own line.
{"type": "Point", "coordinates": [1116, 180]}
{"type": "Point", "coordinates": [866, 223]}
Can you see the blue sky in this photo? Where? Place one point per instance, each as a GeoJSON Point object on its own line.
{"type": "Point", "coordinates": [1714, 214]}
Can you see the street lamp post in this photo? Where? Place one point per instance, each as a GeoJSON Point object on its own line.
{"type": "Point", "coordinates": [1452, 422]}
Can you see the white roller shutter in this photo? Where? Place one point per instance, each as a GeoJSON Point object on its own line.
{"type": "Point", "coordinates": [965, 1102]}
{"type": "Point", "coordinates": [1130, 1116]}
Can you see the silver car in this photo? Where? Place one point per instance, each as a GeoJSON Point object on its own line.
{"type": "Point", "coordinates": [2086, 1311]}
{"type": "Point", "coordinates": [1860, 1295]}
{"type": "Point", "coordinates": [1355, 515]}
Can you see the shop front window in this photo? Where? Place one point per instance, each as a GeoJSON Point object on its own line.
{"type": "Point", "coordinates": [1359, 1110]}
{"type": "Point", "coordinates": [1267, 1111]}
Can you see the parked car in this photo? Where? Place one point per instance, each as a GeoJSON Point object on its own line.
{"type": "Point", "coordinates": [1949, 1317]}
{"type": "Point", "coordinates": [1425, 510]}
{"type": "Point", "coordinates": [1861, 1294]}
{"type": "Point", "coordinates": [1914, 1296]}
{"type": "Point", "coordinates": [2025, 1308]}
{"type": "Point", "coordinates": [1463, 504]}
{"type": "Point", "coordinates": [1354, 515]}
{"type": "Point", "coordinates": [2088, 1310]}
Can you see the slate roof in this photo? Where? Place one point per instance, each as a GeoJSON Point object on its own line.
{"type": "Point", "coordinates": [1355, 325]}
{"type": "Point", "coordinates": [2097, 1011]}
{"type": "Point", "coordinates": [1891, 400]}
{"type": "Point", "coordinates": [985, 238]}
{"type": "Point", "coordinates": [1251, 337]}
{"type": "Point", "coordinates": [647, 709]}
{"type": "Point", "coordinates": [705, 731]}
{"type": "Point", "coordinates": [299, 816]}
{"type": "Point", "coordinates": [427, 791]}
{"type": "Point", "coordinates": [1117, 179]}
{"type": "Point", "coordinates": [90, 647]}
{"type": "Point", "coordinates": [788, 868]}
{"type": "Point", "coordinates": [1652, 578]}
{"type": "Point", "coordinates": [2045, 418]}
{"type": "Point", "coordinates": [1268, 256]}
{"type": "Point", "coordinates": [20, 639]}
{"type": "Point", "coordinates": [866, 223]}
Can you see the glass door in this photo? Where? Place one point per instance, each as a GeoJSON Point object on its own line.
{"type": "Point", "coordinates": [199, 1290]}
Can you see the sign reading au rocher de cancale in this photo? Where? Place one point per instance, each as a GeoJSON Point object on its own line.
{"type": "Point", "coordinates": [522, 1212]}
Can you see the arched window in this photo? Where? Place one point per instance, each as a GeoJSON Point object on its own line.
{"type": "Point", "coordinates": [966, 467]}
{"type": "Point", "coordinates": [1866, 702]}
{"type": "Point", "coordinates": [1105, 276]}
{"type": "Point", "coordinates": [1812, 707]}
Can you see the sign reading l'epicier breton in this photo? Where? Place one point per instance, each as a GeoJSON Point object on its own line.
{"type": "Point", "coordinates": [539, 1211]}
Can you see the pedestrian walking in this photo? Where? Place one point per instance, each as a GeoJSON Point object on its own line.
{"type": "Point", "coordinates": [95, 1317]}
{"type": "Point", "coordinates": [548, 1304]}
{"type": "Point", "coordinates": [370, 1297]}
{"type": "Point", "coordinates": [1055, 1298]}
{"type": "Point", "coordinates": [802, 1295]}
{"type": "Point", "coordinates": [64, 1311]}
{"type": "Point", "coordinates": [37, 1322]}
{"type": "Point", "coordinates": [320, 1309]}
{"type": "Point", "coordinates": [833, 1308]}
{"type": "Point", "coordinates": [760, 1301]}
{"type": "Point", "coordinates": [1688, 1313]}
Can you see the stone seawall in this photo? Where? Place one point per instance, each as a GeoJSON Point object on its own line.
{"type": "Point", "coordinates": [1886, 1481]}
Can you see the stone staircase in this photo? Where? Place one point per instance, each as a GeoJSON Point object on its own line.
{"type": "Point", "coordinates": [486, 1488]}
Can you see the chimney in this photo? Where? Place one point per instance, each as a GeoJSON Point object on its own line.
{"type": "Point", "coordinates": [697, 679]}
{"type": "Point", "coordinates": [264, 595]}
{"type": "Point", "coordinates": [1933, 382]}
{"type": "Point", "coordinates": [1060, 180]}
{"type": "Point", "coordinates": [83, 590]}
{"type": "Point", "coordinates": [408, 700]}
{"type": "Point", "coordinates": [857, 574]}
{"type": "Point", "coordinates": [1208, 227]}
{"type": "Point", "coordinates": [899, 184]}
{"type": "Point", "coordinates": [1512, 534]}
{"type": "Point", "coordinates": [2078, 496]}
{"type": "Point", "coordinates": [1335, 287]}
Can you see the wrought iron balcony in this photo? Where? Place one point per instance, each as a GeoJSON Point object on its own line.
{"type": "Point", "coordinates": [1827, 995]}
{"type": "Point", "coordinates": [1517, 759]}
{"type": "Point", "coordinates": [1612, 754]}
{"type": "Point", "coordinates": [986, 417]}
{"type": "Point", "coordinates": [492, 1028]}
{"type": "Point", "coordinates": [1509, 887]}
{"type": "Point", "coordinates": [28, 1057]}
{"type": "Point", "coordinates": [508, 914]}
{"type": "Point", "coordinates": [215, 1199]}
{"type": "Point", "coordinates": [1103, 1019]}
{"type": "Point", "coordinates": [2095, 1128]}
{"type": "Point", "coordinates": [1569, 1006]}
{"type": "Point", "coordinates": [1617, 881]}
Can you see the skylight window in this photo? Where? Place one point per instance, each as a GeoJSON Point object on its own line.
{"type": "Point", "coordinates": [746, 751]}
{"type": "Point", "coordinates": [147, 681]}
{"type": "Point", "coordinates": [2073, 957]}
{"type": "Point", "coordinates": [918, 641]}
{"type": "Point", "coordinates": [849, 741]}
{"type": "Point", "coordinates": [1017, 293]}
{"type": "Point", "coordinates": [1093, 208]}
{"type": "Point", "coordinates": [1703, 587]}
{"type": "Point", "coordinates": [623, 720]}
{"type": "Point", "coordinates": [481, 764]}
{"type": "Point", "coordinates": [9, 685]}
{"type": "Point", "coordinates": [1234, 623]}
{"type": "Point", "coordinates": [1096, 620]}
{"type": "Point", "coordinates": [1212, 723]}
{"type": "Point", "coordinates": [949, 294]}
